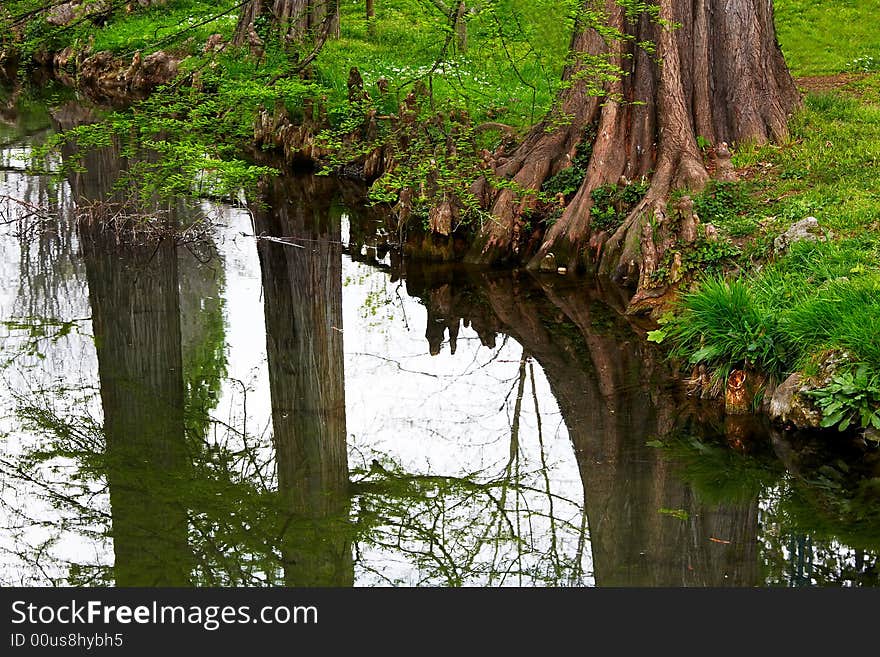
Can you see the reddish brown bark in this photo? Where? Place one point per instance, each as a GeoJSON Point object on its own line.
{"type": "Point", "coordinates": [296, 20]}
{"type": "Point", "coordinates": [718, 74]}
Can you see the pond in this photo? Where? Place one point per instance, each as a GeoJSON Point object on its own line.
{"type": "Point", "coordinates": [270, 392]}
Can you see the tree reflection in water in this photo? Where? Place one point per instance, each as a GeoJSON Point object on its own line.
{"type": "Point", "coordinates": [150, 471]}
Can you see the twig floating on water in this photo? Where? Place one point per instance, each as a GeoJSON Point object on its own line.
{"type": "Point", "coordinates": [280, 240]}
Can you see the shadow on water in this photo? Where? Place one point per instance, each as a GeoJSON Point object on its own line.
{"type": "Point", "coordinates": [661, 490]}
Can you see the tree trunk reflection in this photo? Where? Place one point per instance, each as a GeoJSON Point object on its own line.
{"type": "Point", "coordinates": [302, 290]}
{"type": "Point", "coordinates": [646, 526]}
{"type": "Point", "coordinates": [133, 291]}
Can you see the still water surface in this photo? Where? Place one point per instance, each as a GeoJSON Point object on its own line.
{"type": "Point", "coordinates": [278, 397]}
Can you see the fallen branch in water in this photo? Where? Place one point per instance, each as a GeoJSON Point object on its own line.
{"type": "Point", "coordinates": [279, 240]}
{"type": "Point", "coordinates": [16, 210]}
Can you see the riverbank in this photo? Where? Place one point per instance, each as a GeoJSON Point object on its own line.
{"type": "Point", "coordinates": [803, 303]}
{"type": "Point", "coordinates": [779, 303]}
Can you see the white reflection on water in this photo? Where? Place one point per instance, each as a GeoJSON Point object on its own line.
{"type": "Point", "coordinates": [448, 416]}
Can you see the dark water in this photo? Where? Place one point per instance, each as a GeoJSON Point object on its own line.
{"type": "Point", "coordinates": [220, 409]}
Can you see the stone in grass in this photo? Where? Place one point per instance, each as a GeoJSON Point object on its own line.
{"type": "Point", "coordinates": [792, 406]}
{"type": "Point", "coordinates": [805, 229]}
{"type": "Point", "coordinates": [791, 403]}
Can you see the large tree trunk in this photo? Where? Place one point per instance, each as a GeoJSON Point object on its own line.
{"type": "Point", "coordinates": [722, 78]}
{"type": "Point", "coordinates": [296, 20]}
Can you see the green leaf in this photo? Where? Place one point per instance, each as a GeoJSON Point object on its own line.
{"type": "Point", "coordinates": [704, 354]}
{"type": "Point", "coordinates": [656, 336]}
{"type": "Point", "coordinates": [831, 420]}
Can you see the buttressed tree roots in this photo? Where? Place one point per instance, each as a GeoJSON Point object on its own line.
{"type": "Point", "coordinates": [691, 68]}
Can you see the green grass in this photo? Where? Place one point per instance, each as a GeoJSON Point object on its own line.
{"type": "Point", "coordinates": [817, 296]}
{"type": "Point", "coordinates": [723, 326]}
{"type": "Point", "coordinates": [825, 38]}
{"type": "Point", "coordinates": [509, 72]}
{"type": "Point", "coordinates": [826, 292]}
{"type": "Point", "coordinates": [177, 24]}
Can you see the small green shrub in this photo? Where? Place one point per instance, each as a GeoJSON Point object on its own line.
{"type": "Point", "coordinates": [566, 182]}
{"type": "Point", "coordinates": [612, 203]}
{"type": "Point", "coordinates": [850, 397]}
{"type": "Point", "coordinates": [724, 204]}
{"type": "Point", "coordinates": [705, 256]}
{"type": "Point", "coordinates": [722, 326]}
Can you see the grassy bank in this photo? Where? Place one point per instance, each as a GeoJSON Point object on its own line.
{"type": "Point", "coordinates": [790, 309]}
{"type": "Point", "coordinates": [509, 70]}
{"type": "Point", "coordinates": [508, 73]}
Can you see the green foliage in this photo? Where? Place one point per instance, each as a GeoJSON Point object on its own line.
{"type": "Point", "coordinates": [612, 204]}
{"type": "Point", "coordinates": [850, 397]}
{"type": "Point", "coordinates": [728, 206]}
{"type": "Point", "coordinates": [566, 182]}
{"type": "Point", "coordinates": [824, 294]}
{"type": "Point", "coordinates": [510, 71]}
{"type": "Point", "coordinates": [436, 157]}
{"type": "Point", "coordinates": [679, 514]}
{"type": "Point", "coordinates": [176, 142]}
{"type": "Point", "coordinates": [722, 325]}
{"type": "Point", "coordinates": [703, 256]}
{"type": "Point", "coordinates": [180, 25]}
{"type": "Point", "coordinates": [187, 137]}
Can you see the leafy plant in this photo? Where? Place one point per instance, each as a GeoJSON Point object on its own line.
{"type": "Point", "coordinates": [722, 203]}
{"type": "Point", "coordinates": [612, 203]}
{"type": "Point", "coordinates": [865, 64]}
{"type": "Point", "coordinates": [722, 326]}
{"type": "Point", "coordinates": [568, 180]}
{"type": "Point", "coordinates": [707, 256]}
{"type": "Point", "coordinates": [850, 397]}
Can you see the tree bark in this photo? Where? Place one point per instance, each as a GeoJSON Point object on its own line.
{"type": "Point", "coordinates": [297, 21]}
{"type": "Point", "coordinates": [717, 73]}
{"type": "Point", "coordinates": [461, 35]}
